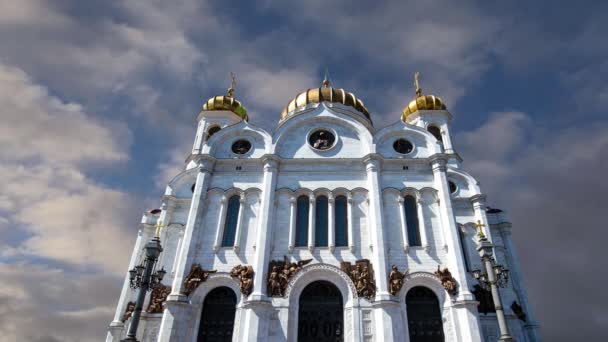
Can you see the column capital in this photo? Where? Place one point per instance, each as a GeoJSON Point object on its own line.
{"type": "Point", "coordinates": [270, 161]}
{"type": "Point", "coordinates": [400, 199]}
{"type": "Point", "coordinates": [479, 199]}
{"type": "Point", "coordinates": [242, 198]}
{"type": "Point", "coordinates": [292, 199]}
{"type": "Point", "coordinates": [439, 162]}
{"type": "Point", "coordinates": [372, 161]}
{"type": "Point", "coordinates": [223, 199]}
{"type": "Point", "coordinates": [205, 163]}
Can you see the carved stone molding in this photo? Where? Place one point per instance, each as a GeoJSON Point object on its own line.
{"type": "Point", "coordinates": [362, 275]}
{"type": "Point", "coordinates": [128, 311]}
{"type": "Point", "coordinates": [448, 282]}
{"type": "Point", "coordinates": [244, 273]}
{"type": "Point", "coordinates": [324, 267]}
{"type": "Point", "coordinates": [396, 280]}
{"type": "Point", "coordinates": [157, 298]}
{"type": "Point", "coordinates": [196, 276]}
{"type": "Point", "coordinates": [281, 271]}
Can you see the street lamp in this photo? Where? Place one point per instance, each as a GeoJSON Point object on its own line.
{"type": "Point", "coordinates": [493, 277]}
{"type": "Point", "coordinates": [144, 278]}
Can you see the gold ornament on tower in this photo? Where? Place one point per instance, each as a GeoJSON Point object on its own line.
{"type": "Point", "coordinates": [227, 102]}
{"type": "Point", "coordinates": [422, 102]}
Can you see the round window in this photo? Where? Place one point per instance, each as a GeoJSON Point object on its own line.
{"type": "Point", "coordinates": [403, 146]}
{"type": "Point", "coordinates": [452, 186]}
{"type": "Point", "coordinates": [241, 146]}
{"type": "Point", "coordinates": [322, 139]}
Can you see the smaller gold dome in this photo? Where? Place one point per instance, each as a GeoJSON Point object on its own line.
{"type": "Point", "coordinates": [423, 102]}
{"type": "Point", "coordinates": [226, 103]}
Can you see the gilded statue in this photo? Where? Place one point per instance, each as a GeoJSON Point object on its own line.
{"type": "Point", "coordinates": [448, 282]}
{"type": "Point", "coordinates": [362, 275]}
{"type": "Point", "coordinates": [196, 276]}
{"type": "Point", "coordinates": [244, 273]}
{"type": "Point", "coordinates": [396, 280]}
{"type": "Point", "coordinates": [281, 272]}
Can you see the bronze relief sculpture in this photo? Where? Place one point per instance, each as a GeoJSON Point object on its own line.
{"type": "Point", "coordinates": [128, 311]}
{"type": "Point", "coordinates": [396, 280]}
{"type": "Point", "coordinates": [157, 298]}
{"type": "Point", "coordinates": [244, 273]}
{"type": "Point", "coordinates": [362, 275]}
{"type": "Point", "coordinates": [196, 276]}
{"type": "Point", "coordinates": [280, 272]}
{"type": "Point", "coordinates": [448, 282]}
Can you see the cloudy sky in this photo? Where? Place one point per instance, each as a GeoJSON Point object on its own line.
{"type": "Point", "coordinates": [98, 101]}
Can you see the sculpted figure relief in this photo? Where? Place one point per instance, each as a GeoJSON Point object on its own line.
{"type": "Point", "coordinates": [395, 280]}
{"type": "Point", "coordinates": [196, 276]}
{"type": "Point", "coordinates": [281, 271]}
{"type": "Point", "coordinates": [448, 282]}
{"type": "Point", "coordinates": [362, 275]}
{"type": "Point", "coordinates": [128, 311]}
{"type": "Point", "coordinates": [244, 273]}
{"type": "Point", "coordinates": [157, 298]}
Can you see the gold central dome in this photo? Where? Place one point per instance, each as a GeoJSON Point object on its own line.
{"type": "Point", "coordinates": [422, 102]}
{"type": "Point", "coordinates": [227, 102]}
{"type": "Point", "coordinates": [325, 94]}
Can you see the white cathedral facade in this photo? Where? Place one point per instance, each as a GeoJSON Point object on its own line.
{"type": "Point", "coordinates": [327, 229]}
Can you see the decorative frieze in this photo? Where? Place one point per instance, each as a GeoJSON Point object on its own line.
{"type": "Point", "coordinates": [196, 276]}
{"type": "Point", "coordinates": [448, 282]}
{"type": "Point", "coordinates": [157, 298]}
{"type": "Point", "coordinates": [362, 275]}
{"type": "Point", "coordinates": [244, 273]}
{"type": "Point", "coordinates": [396, 280]}
{"type": "Point", "coordinates": [281, 271]}
{"type": "Point", "coordinates": [128, 311]}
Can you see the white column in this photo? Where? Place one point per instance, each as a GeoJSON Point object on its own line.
{"type": "Point", "coordinates": [239, 223]}
{"type": "Point", "coordinates": [331, 223]}
{"type": "Point", "coordinates": [447, 139]}
{"type": "Point", "coordinates": [422, 222]}
{"type": "Point", "coordinates": [176, 306]}
{"type": "Point", "coordinates": [292, 223]}
{"type": "Point", "coordinates": [311, 223]}
{"type": "Point", "coordinates": [406, 243]}
{"type": "Point", "coordinates": [221, 220]}
{"type": "Point", "coordinates": [349, 208]}
{"type": "Point", "coordinates": [464, 305]}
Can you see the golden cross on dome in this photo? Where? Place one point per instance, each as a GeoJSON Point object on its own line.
{"type": "Point", "coordinates": [479, 226]}
{"type": "Point", "coordinates": [416, 84]}
{"type": "Point", "coordinates": [158, 227]}
{"type": "Point", "coordinates": [232, 84]}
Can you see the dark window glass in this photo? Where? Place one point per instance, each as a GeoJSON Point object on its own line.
{"type": "Point", "coordinates": [341, 217]}
{"type": "Point", "coordinates": [411, 220]}
{"type": "Point", "coordinates": [322, 140]}
{"type": "Point", "coordinates": [423, 315]}
{"type": "Point", "coordinates": [241, 146]}
{"type": "Point", "coordinates": [302, 221]}
{"type": "Point", "coordinates": [232, 216]}
{"type": "Point", "coordinates": [217, 319]}
{"type": "Point", "coordinates": [213, 130]}
{"type": "Point", "coordinates": [403, 146]}
{"type": "Point", "coordinates": [452, 186]}
{"type": "Point", "coordinates": [463, 246]}
{"type": "Point", "coordinates": [434, 130]}
{"type": "Point", "coordinates": [321, 221]}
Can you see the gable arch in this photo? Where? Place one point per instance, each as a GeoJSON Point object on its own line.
{"type": "Point", "coordinates": [424, 143]}
{"type": "Point", "coordinates": [220, 144]}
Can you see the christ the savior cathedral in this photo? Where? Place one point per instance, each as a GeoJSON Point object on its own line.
{"type": "Point", "coordinates": [327, 229]}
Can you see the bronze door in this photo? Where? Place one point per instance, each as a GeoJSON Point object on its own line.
{"type": "Point", "coordinates": [217, 320]}
{"type": "Point", "coordinates": [424, 315]}
{"type": "Point", "coordinates": [321, 314]}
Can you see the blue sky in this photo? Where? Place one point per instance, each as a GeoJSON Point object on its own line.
{"type": "Point", "coordinates": [98, 101]}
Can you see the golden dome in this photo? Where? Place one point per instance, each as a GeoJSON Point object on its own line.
{"type": "Point", "coordinates": [227, 102]}
{"type": "Point", "coordinates": [422, 102]}
{"type": "Point", "coordinates": [325, 94]}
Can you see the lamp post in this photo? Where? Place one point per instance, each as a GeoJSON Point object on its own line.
{"type": "Point", "coordinates": [493, 277]}
{"type": "Point", "coordinates": [144, 278]}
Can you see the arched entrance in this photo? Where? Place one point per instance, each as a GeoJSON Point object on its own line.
{"type": "Point", "coordinates": [423, 315]}
{"type": "Point", "coordinates": [321, 313]}
{"type": "Point", "coordinates": [217, 320]}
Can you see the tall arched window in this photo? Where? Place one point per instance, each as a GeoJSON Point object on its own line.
{"type": "Point", "coordinates": [232, 216]}
{"type": "Point", "coordinates": [321, 221]}
{"type": "Point", "coordinates": [436, 132]}
{"type": "Point", "coordinates": [463, 246]}
{"type": "Point", "coordinates": [341, 219]}
{"type": "Point", "coordinates": [411, 220]}
{"type": "Point", "coordinates": [302, 221]}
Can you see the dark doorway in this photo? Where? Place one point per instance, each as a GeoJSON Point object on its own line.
{"type": "Point", "coordinates": [217, 320]}
{"type": "Point", "coordinates": [320, 318]}
{"type": "Point", "coordinates": [423, 315]}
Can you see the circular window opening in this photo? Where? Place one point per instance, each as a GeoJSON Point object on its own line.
{"type": "Point", "coordinates": [403, 146]}
{"type": "Point", "coordinates": [452, 186]}
{"type": "Point", "coordinates": [322, 140]}
{"type": "Point", "coordinates": [434, 130]}
{"type": "Point", "coordinates": [241, 146]}
{"type": "Point", "coordinates": [213, 130]}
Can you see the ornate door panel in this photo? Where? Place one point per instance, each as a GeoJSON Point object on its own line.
{"type": "Point", "coordinates": [424, 316]}
{"type": "Point", "coordinates": [321, 314]}
{"type": "Point", "coordinates": [217, 320]}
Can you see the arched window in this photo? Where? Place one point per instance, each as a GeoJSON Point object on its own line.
{"type": "Point", "coordinates": [212, 130]}
{"type": "Point", "coordinates": [232, 216]}
{"type": "Point", "coordinates": [320, 313]}
{"type": "Point", "coordinates": [341, 219]}
{"type": "Point", "coordinates": [217, 319]}
{"type": "Point", "coordinates": [302, 221]}
{"type": "Point", "coordinates": [436, 132]}
{"type": "Point", "coordinates": [463, 246]}
{"type": "Point", "coordinates": [411, 220]}
{"type": "Point", "coordinates": [424, 319]}
{"type": "Point", "coordinates": [321, 221]}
